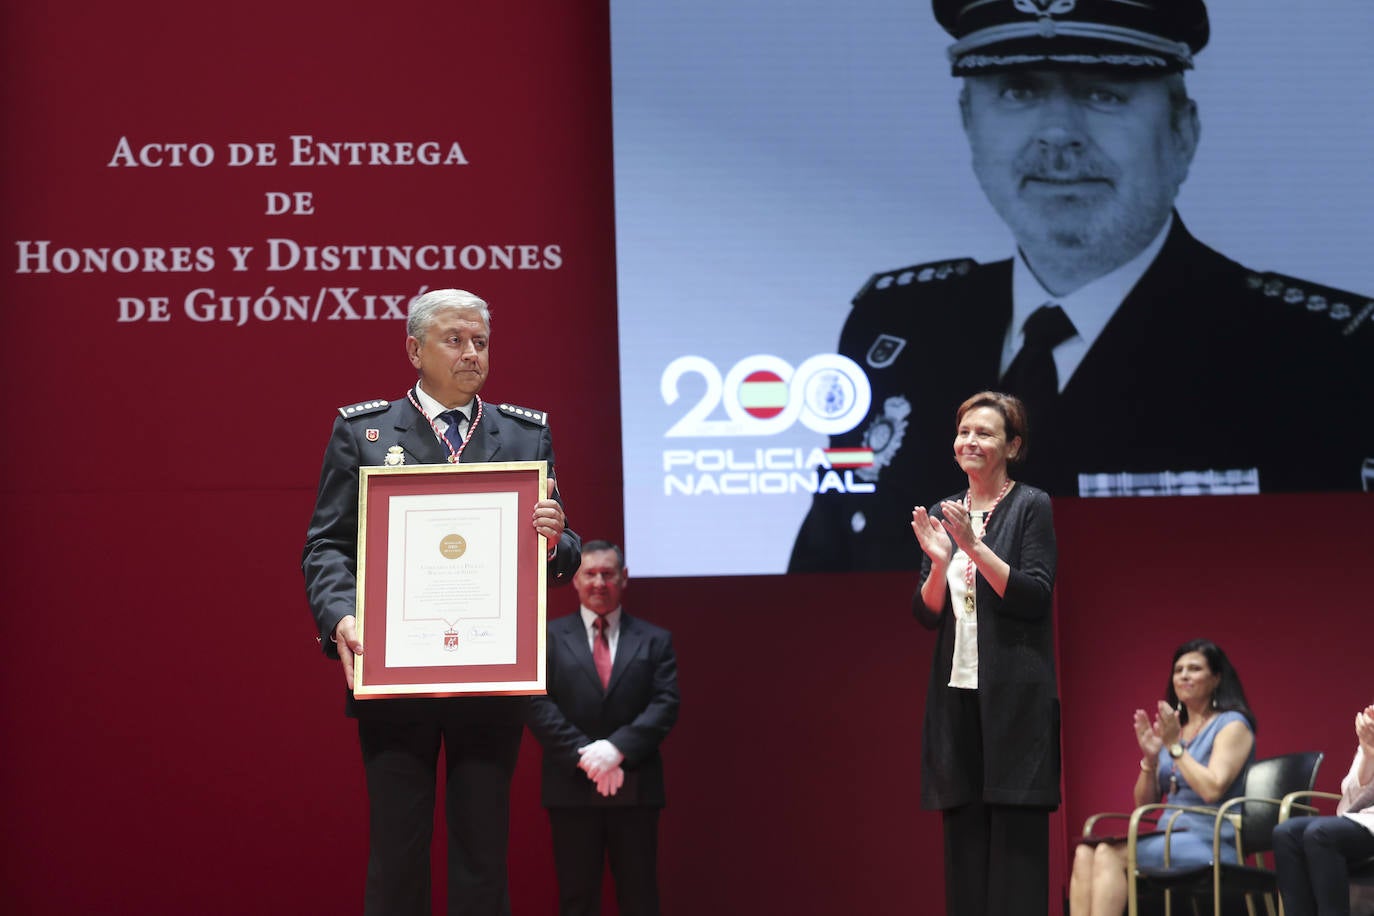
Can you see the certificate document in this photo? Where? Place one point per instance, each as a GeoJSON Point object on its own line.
{"type": "Point", "coordinates": [451, 588]}
{"type": "Point", "coordinates": [451, 580]}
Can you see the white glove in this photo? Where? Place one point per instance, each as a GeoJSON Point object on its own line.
{"type": "Point", "coordinates": [599, 757]}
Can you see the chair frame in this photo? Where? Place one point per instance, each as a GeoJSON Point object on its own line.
{"type": "Point", "coordinates": [1290, 801]}
{"type": "Point", "coordinates": [1218, 815]}
{"type": "Point", "coordinates": [1230, 811]}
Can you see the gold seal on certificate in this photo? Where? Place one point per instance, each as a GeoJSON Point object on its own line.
{"type": "Point", "coordinates": [453, 546]}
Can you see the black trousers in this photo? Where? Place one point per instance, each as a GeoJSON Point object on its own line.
{"type": "Point", "coordinates": [584, 838]}
{"type": "Point", "coordinates": [400, 760]}
{"type": "Point", "coordinates": [997, 857]}
{"type": "Point", "coordinates": [1312, 855]}
{"type": "Point", "coordinates": [997, 860]}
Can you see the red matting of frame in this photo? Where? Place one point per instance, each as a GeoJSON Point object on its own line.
{"type": "Point", "coordinates": [526, 674]}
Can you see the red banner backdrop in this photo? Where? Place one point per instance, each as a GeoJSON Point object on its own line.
{"type": "Point", "coordinates": [214, 217]}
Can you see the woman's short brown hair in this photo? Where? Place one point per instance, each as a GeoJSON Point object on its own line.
{"type": "Point", "coordinates": [1013, 418]}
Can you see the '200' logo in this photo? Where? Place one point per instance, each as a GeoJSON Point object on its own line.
{"type": "Point", "coordinates": [763, 395]}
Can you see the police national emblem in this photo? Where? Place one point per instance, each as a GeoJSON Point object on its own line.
{"type": "Point", "coordinates": [884, 351]}
{"type": "Point", "coordinates": [884, 436]}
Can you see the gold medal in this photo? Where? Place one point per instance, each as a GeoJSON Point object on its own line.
{"type": "Point", "coordinates": [968, 602]}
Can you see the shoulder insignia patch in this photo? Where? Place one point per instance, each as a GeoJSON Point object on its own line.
{"type": "Point", "coordinates": [1346, 311]}
{"type": "Point", "coordinates": [917, 273]}
{"type": "Point", "coordinates": [363, 408]}
{"type": "Point", "coordinates": [537, 417]}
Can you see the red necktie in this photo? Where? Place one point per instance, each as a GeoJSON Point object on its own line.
{"type": "Point", "coordinates": [601, 652]}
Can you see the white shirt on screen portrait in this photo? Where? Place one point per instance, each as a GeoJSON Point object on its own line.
{"type": "Point", "coordinates": [1089, 308]}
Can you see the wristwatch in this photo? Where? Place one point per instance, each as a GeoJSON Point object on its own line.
{"type": "Point", "coordinates": [1175, 750]}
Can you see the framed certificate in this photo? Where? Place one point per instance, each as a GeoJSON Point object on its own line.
{"type": "Point", "coordinates": [451, 585]}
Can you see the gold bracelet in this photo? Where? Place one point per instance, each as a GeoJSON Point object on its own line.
{"type": "Point", "coordinates": [1147, 769]}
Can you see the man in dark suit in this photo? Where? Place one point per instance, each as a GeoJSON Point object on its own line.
{"type": "Point", "coordinates": [1150, 363]}
{"type": "Point", "coordinates": [441, 418]}
{"type": "Point", "coordinates": [612, 697]}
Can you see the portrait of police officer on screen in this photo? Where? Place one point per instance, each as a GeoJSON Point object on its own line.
{"type": "Point", "coordinates": [1149, 363]}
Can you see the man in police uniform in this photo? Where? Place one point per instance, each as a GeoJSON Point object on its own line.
{"type": "Point", "coordinates": [1149, 362]}
{"type": "Point", "coordinates": [442, 418]}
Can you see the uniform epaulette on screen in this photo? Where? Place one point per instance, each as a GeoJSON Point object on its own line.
{"type": "Point", "coordinates": [917, 273]}
{"type": "Point", "coordinates": [537, 417]}
{"type": "Point", "coordinates": [1346, 311]}
{"type": "Point", "coordinates": [363, 408]}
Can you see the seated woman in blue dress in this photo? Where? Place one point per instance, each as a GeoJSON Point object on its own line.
{"type": "Point", "coordinates": [1195, 749]}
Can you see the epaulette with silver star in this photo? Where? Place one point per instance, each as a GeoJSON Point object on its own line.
{"type": "Point", "coordinates": [536, 417]}
{"type": "Point", "coordinates": [916, 273]}
{"type": "Point", "coordinates": [362, 408]}
{"type": "Point", "coordinates": [1346, 311]}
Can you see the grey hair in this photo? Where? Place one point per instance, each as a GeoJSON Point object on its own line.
{"type": "Point", "coordinates": [424, 308]}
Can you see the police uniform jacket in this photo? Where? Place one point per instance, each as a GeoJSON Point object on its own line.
{"type": "Point", "coordinates": [362, 436]}
{"type": "Point", "coordinates": [1205, 366]}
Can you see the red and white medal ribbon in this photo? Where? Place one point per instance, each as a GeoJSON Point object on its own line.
{"type": "Point", "coordinates": [969, 568]}
{"type": "Point", "coordinates": [454, 454]}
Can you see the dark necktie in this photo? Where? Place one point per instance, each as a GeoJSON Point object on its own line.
{"type": "Point", "coordinates": [601, 652]}
{"type": "Point", "coordinates": [1031, 375]}
{"type": "Point", "coordinates": [456, 420]}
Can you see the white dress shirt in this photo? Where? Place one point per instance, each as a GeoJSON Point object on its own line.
{"type": "Point", "coordinates": [434, 408]}
{"type": "Point", "coordinates": [1089, 307]}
